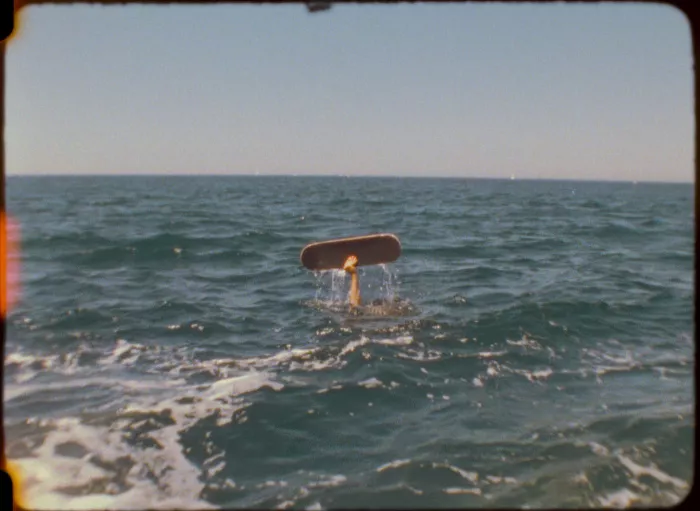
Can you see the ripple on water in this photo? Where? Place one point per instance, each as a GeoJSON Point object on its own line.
{"type": "Point", "coordinates": [186, 358]}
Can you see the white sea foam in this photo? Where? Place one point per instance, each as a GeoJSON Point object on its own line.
{"type": "Point", "coordinates": [124, 353]}
{"type": "Point", "coordinates": [403, 340]}
{"type": "Point", "coordinates": [22, 359]}
{"type": "Point", "coordinates": [534, 376]}
{"type": "Point", "coordinates": [332, 387]}
{"type": "Point", "coordinates": [620, 499]}
{"type": "Point", "coordinates": [651, 471]}
{"type": "Point", "coordinates": [483, 354]}
{"type": "Point", "coordinates": [127, 386]}
{"type": "Point", "coordinates": [411, 488]}
{"type": "Point", "coordinates": [353, 345]}
{"type": "Point", "coordinates": [525, 342]}
{"type": "Point", "coordinates": [499, 480]}
{"type": "Point", "coordinates": [371, 383]}
{"type": "Point", "coordinates": [277, 359]}
{"type": "Point", "coordinates": [393, 464]}
{"type": "Point", "coordinates": [29, 366]}
{"type": "Point", "coordinates": [581, 478]}
{"type": "Point", "coordinates": [602, 362]}
{"type": "Point", "coordinates": [462, 491]}
{"type": "Point", "coordinates": [472, 477]}
{"type": "Point", "coordinates": [107, 469]}
{"type": "Point", "coordinates": [47, 475]}
{"type": "Point", "coordinates": [269, 484]}
{"type": "Point", "coordinates": [599, 450]}
{"type": "Point", "coordinates": [420, 356]}
{"type": "Point", "coordinates": [215, 464]}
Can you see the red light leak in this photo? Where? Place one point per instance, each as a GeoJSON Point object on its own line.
{"type": "Point", "coordinates": [9, 263]}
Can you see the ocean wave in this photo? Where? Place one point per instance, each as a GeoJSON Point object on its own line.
{"type": "Point", "coordinates": [170, 349]}
{"type": "Point", "coordinates": [116, 462]}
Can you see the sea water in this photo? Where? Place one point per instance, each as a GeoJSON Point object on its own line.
{"type": "Point", "coordinates": [170, 351]}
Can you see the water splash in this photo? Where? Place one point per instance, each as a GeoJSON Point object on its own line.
{"type": "Point", "coordinates": [332, 286]}
{"type": "Point", "coordinates": [389, 287]}
{"type": "Point", "coordinates": [378, 287]}
{"type": "Point", "coordinates": [338, 291]}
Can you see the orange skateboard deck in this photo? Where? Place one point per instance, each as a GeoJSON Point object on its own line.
{"type": "Point", "coordinates": [369, 250]}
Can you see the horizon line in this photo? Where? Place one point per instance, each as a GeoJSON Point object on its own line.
{"type": "Point", "coordinates": [384, 176]}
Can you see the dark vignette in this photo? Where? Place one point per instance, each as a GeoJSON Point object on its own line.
{"type": "Point", "coordinates": [5, 490]}
{"type": "Point", "coordinates": [8, 9]}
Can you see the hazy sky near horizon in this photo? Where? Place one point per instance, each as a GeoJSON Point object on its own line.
{"type": "Point", "coordinates": [599, 91]}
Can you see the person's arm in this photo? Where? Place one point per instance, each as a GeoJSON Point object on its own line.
{"type": "Point", "coordinates": [350, 267]}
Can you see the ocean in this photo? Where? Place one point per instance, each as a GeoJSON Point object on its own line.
{"type": "Point", "coordinates": [169, 350]}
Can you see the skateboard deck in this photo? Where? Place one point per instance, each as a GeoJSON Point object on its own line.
{"type": "Point", "coordinates": [369, 250]}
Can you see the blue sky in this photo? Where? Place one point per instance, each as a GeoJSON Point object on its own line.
{"type": "Point", "coordinates": [599, 91]}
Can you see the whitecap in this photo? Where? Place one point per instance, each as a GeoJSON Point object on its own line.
{"type": "Point", "coordinates": [462, 491]}
{"type": "Point", "coordinates": [472, 477]}
{"type": "Point", "coordinates": [620, 499]}
{"type": "Point", "coordinates": [393, 464]}
{"type": "Point", "coordinates": [371, 383]}
{"type": "Point", "coordinates": [651, 471]}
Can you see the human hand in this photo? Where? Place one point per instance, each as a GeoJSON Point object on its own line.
{"type": "Point", "coordinates": [350, 264]}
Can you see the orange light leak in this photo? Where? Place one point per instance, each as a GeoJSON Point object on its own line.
{"type": "Point", "coordinates": [19, 4]}
{"type": "Point", "coordinates": [9, 264]}
{"type": "Point", "coordinates": [16, 476]}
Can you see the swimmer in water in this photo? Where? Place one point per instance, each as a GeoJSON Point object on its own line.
{"type": "Point", "coordinates": [378, 307]}
{"type": "Point", "coordinates": [350, 266]}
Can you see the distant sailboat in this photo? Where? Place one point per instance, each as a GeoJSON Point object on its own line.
{"type": "Point", "coordinates": [512, 177]}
